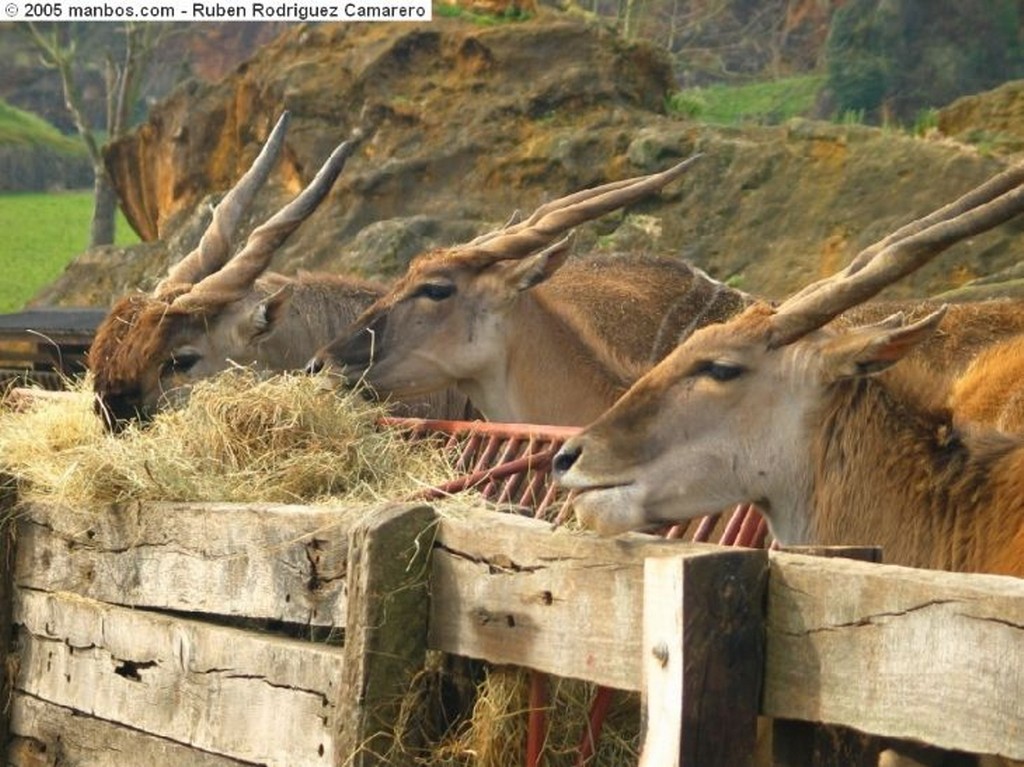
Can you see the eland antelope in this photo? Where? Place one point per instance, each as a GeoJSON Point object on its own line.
{"type": "Point", "coordinates": [531, 336]}
{"type": "Point", "coordinates": [817, 425]}
{"type": "Point", "coordinates": [214, 310]}
{"type": "Point", "coordinates": [991, 389]}
{"type": "Point", "coordinates": [516, 326]}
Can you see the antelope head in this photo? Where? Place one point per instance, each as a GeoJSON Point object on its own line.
{"type": "Point", "coordinates": [204, 314]}
{"type": "Point", "coordinates": [444, 321]}
{"type": "Point", "coordinates": [726, 417]}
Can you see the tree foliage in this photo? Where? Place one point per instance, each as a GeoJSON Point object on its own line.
{"type": "Point", "coordinates": [890, 59]}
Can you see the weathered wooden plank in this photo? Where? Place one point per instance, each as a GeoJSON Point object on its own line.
{"type": "Point", "coordinates": [805, 744]}
{"type": "Point", "coordinates": [703, 645]}
{"type": "Point", "coordinates": [8, 498]}
{"type": "Point", "coordinates": [509, 590]}
{"type": "Point", "coordinates": [45, 735]}
{"type": "Point", "coordinates": [252, 697]}
{"type": "Point", "coordinates": [386, 642]}
{"type": "Point", "coordinates": [897, 652]}
{"type": "Point", "coordinates": [278, 562]}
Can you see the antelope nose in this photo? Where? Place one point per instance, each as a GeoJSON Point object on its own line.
{"type": "Point", "coordinates": [565, 458]}
{"type": "Point", "coordinates": [315, 365]}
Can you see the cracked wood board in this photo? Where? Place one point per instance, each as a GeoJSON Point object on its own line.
{"type": "Point", "coordinates": [45, 735]}
{"type": "Point", "coordinates": [507, 589]}
{"type": "Point", "coordinates": [249, 696]}
{"type": "Point", "coordinates": [386, 643]}
{"type": "Point", "coordinates": [898, 652]}
{"type": "Point", "coordinates": [264, 561]}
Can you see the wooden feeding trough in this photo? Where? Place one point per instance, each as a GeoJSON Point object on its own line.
{"type": "Point", "coordinates": [217, 634]}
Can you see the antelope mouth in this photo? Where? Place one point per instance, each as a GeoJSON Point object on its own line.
{"type": "Point", "coordinates": [610, 509]}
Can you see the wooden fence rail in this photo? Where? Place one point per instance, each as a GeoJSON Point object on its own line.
{"type": "Point", "coordinates": [211, 634]}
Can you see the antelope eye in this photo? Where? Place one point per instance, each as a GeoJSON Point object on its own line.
{"type": "Point", "coordinates": [435, 291]}
{"type": "Point", "coordinates": [719, 371]}
{"type": "Point", "coordinates": [181, 362]}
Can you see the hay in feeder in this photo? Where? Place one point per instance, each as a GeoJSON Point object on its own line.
{"type": "Point", "coordinates": [495, 735]}
{"type": "Point", "coordinates": [240, 437]}
{"type": "Point", "coordinates": [290, 438]}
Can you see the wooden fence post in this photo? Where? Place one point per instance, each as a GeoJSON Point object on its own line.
{"type": "Point", "coordinates": [386, 629]}
{"type": "Point", "coordinates": [808, 744]}
{"type": "Point", "coordinates": [703, 645]}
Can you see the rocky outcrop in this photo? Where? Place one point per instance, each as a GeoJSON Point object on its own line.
{"type": "Point", "coordinates": [992, 121]}
{"type": "Point", "coordinates": [475, 122]}
{"type": "Point", "coordinates": [460, 105]}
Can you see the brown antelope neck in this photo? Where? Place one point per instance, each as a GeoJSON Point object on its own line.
{"type": "Point", "coordinates": [990, 391]}
{"type": "Point", "coordinates": [891, 470]}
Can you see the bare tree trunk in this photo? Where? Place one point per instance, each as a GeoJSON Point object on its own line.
{"type": "Point", "coordinates": [104, 211]}
{"type": "Point", "coordinates": [122, 84]}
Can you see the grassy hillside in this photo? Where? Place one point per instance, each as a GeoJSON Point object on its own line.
{"type": "Point", "coordinates": [768, 102]}
{"type": "Point", "coordinates": [25, 129]}
{"type": "Point", "coordinates": [42, 233]}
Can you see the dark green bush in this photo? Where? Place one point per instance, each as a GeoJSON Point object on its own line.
{"type": "Point", "coordinates": [892, 59]}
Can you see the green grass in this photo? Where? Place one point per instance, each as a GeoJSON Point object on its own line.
{"type": "Point", "coordinates": [41, 233]}
{"type": "Point", "coordinates": [768, 102]}
{"type": "Point", "coordinates": [448, 11]}
{"type": "Point", "coordinates": [24, 129]}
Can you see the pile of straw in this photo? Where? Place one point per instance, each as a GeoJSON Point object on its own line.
{"type": "Point", "coordinates": [291, 438]}
{"type": "Point", "coordinates": [495, 735]}
{"type": "Point", "coordinates": [288, 438]}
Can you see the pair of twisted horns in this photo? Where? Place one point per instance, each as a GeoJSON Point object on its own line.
{"type": "Point", "coordinates": [210, 268]}
{"type": "Point", "coordinates": [518, 239]}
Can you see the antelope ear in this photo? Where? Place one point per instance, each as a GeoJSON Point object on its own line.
{"type": "Point", "coordinates": [533, 270]}
{"type": "Point", "coordinates": [871, 349]}
{"type": "Point", "coordinates": [269, 311]}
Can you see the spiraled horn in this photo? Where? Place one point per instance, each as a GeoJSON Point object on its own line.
{"type": "Point", "coordinates": [553, 218]}
{"type": "Point", "coordinates": [214, 246]}
{"type": "Point", "coordinates": [880, 265]}
{"type": "Point", "coordinates": [251, 261]}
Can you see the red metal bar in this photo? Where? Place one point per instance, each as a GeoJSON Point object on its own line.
{"type": "Point", "coordinates": [752, 527]}
{"type": "Point", "coordinates": [732, 529]}
{"type": "Point", "coordinates": [489, 428]}
{"type": "Point", "coordinates": [532, 495]}
{"type": "Point", "coordinates": [705, 528]}
{"type": "Point", "coordinates": [511, 485]}
{"type": "Point", "coordinates": [511, 445]}
{"type": "Point", "coordinates": [459, 484]}
{"type": "Point", "coordinates": [486, 458]}
{"type": "Point", "coordinates": [465, 459]}
{"type": "Point", "coordinates": [595, 723]}
{"type": "Point", "coordinates": [537, 723]}
{"type": "Point", "coordinates": [546, 501]}
{"type": "Point", "coordinates": [677, 531]}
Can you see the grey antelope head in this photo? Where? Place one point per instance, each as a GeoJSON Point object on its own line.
{"type": "Point", "coordinates": [468, 315]}
{"type": "Point", "coordinates": [745, 411]}
{"type": "Point", "coordinates": [208, 311]}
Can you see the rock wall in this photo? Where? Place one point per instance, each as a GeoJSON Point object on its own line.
{"type": "Point", "coordinates": [477, 121]}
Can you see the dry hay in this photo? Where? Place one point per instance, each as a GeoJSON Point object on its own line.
{"type": "Point", "coordinates": [291, 438]}
{"type": "Point", "coordinates": [240, 437]}
{"type": "Point", "coordinates": [495, 735]}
